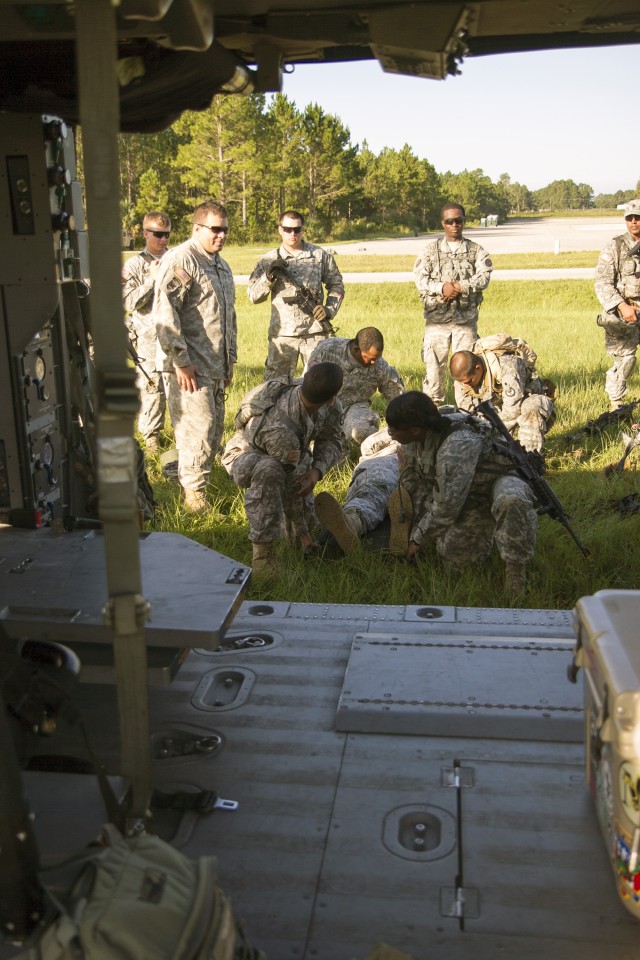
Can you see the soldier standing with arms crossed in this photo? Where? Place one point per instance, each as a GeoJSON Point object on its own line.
{"type": "Point", "coordinates": [196, 326]}
{"type": "Point", "coordinates": [295, 329]}
{"type": "Point", "coordinates": [450, 275]}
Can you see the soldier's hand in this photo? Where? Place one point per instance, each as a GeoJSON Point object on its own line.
{"type": "Point", "coordinates": [451, 290]}
{"type": "Point", "coordinates": [305, 483]}
{"type": "Point", "coordinates": [187, 378]}
{"type": "Point", "coordinates": [320, 313]}
{"type": "Point", "coordinates": [627, 312]}
{"type": "Point", "coordinates": [275, 268]}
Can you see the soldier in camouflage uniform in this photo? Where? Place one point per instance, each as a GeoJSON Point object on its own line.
{"type": "Point", "coordinates": [618, 290]}
{"type": "Point", "coordinates": [372, 483]}
{"type": "Point", "coordinates": [364, 372]}
{"type": "Point", "coordinates": [138, 280]}
{"type": "Point", "coordinates": [295, 329]}
{"type": "Point", "coordinates": [502, 369]}
{"type": "Point", "coordinates": [450, 276]}
{"type": "Point", "coordinates": [271, 457]}
{"type": "Point", "coordinates": [196, 326]}
{"type": "Point", "coordinates": [462, 492]}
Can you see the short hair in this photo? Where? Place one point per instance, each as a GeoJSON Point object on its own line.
{"type": "Point", "coordinates": [414, 409]}
{"type": "Point", "coordinates": [293, 215]}
{"type": "Point", "coordinates": [209, 206]}
{"type": "Point", "coordinates": [453, 206]}
{"type": "Point", "coordinates": [463, 363]}
{"type": "Point", "coordinates": [369, 338]}
{"type": "Point", "coordinates": [322, 382]}
{"type": "Point", "coordinates": [156, 216]}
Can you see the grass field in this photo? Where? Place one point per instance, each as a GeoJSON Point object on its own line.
{"type": "Point", "coordinates": [558, 320]}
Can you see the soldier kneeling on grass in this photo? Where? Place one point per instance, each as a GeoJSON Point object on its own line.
{"type": "Point", "coordinates": [270, 455]}
{"type": "Point", "coordinates": [457, 490]}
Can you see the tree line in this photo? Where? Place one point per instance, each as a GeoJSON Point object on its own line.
{"type": "Point", "coordinates": [261, 155]}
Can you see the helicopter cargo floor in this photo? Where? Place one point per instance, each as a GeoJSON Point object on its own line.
{"type": "Point", "coordinates": [407, 775]}
{"type": "Point", "coordinates": [361, 820]}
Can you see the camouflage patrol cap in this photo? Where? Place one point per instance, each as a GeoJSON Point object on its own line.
{"type": "Point", "coordinates": [632, 207]}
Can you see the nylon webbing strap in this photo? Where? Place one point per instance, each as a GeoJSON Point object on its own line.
{"type": "Point", "coordinates": [117, 400]}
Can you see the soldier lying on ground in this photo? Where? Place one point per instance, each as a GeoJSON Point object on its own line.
{"type": "Point", "coordinates": [374, 479]}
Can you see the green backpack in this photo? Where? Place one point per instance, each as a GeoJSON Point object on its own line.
{"type": "Point", "coordinates": [140, 899]}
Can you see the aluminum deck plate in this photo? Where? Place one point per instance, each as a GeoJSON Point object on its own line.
{"type": "Point", "coordinates": [434, 686]}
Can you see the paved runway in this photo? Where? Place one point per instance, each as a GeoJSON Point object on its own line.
{"type": "Point", "coordinates": [535, 235]}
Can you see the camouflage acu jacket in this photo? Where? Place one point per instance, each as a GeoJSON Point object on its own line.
{"type": "Point", "coordinates": [444, 474]}
{"type": "Point", "coordinates": [438, 263]}
{"type": "Point", "coordinates": [137, 292]}
{"type": "Point", "coordinates": [618, 273]}
{"type": "Point", "coordinates": [194, 311]}
{"type": "Point", "coordinates": [312, 267]}
{"type": "Point", "coordinates": [286, 432]}
{"type": "Point", "coordinates": [359, 382]}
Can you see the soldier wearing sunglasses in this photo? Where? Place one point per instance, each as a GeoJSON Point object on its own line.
{"type": "Point", "coordinates": [294, 330]}
{"type": "Point", "coordinates": [618, 290]}
{"type": "Point", "coordinates": [450, 275]}
{"type": "Point", "coordinates": [138, 285]}
{"type": "Point", "coordinates": [195, 316]}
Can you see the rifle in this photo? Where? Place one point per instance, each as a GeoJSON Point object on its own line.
{"type": "Point", "coordinates": [530, 466]}
{"type": "Point", "coordinates": [609, 418]}
{"type": "Point", "coordinates": [304, 296]}
{"type": "Point", "coordinates": [137, 359]}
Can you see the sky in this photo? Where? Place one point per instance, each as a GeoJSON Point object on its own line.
{"type": "Point", "coordinates": [539, 117]}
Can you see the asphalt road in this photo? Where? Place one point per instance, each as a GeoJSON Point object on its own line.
{"type": "Point", "coordinates": [539, 235]}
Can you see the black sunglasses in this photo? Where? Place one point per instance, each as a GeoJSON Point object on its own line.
{"type": "Point", "coordinates": [453, 220]}
{"type": "Point", "coordinates": [633, 216]}
{"type": "Point", "coordinates": [159, 234]}
{"type": "Point", "coordinates": [292, 229]}
{"type": "Point", "coordinates": [224, 230]}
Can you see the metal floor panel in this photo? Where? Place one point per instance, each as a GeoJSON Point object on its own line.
{"type": "Point", "coordinates": [439, 686]}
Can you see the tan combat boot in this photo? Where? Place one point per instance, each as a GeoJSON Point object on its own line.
{"type": "Point", "coordinates": [401, 516]}
{"type": "Point", "coordinates": [515, 579]}
{"type": "Point", "coordinates": [342, 525]}
{"type": "Point", "coordinates": [195, 501]}
{"type": "Point", "coordinates": [152, 445]}
{"type": "Point", "coordinates": [263, 561]}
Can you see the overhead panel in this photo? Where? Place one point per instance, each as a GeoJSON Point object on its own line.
{"type": "Point", "coordinates": [424, 41]}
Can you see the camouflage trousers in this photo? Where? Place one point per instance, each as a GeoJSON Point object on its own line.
{"type": "Point", "coordinates": [439, 340]}
{"type": "Point", "coordinates": [153, 402]}
{"type": "Point", "coordinates": [372, 484]}
{"type": "Point", "coordinates": [198, 422]}
{"type": "Point", "coordinates": [283, 353]}
{"type": "Point", "coordinates": [274, 510]}
{"type": "Point", "coordinates": [622, 347]}
{"type": "Point", "coordinates": [508, 519]}
{"type": "Point", "coordinates": [359, 422]}
{"type": "Point", "coordinates": [535, 413]}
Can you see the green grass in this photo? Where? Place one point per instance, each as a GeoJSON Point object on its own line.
{"type": "Point", "coordinates": [558, 319]}
{"type": "Point", "coordinates": [242, 260]}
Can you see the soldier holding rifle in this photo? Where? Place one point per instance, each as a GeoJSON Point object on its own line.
{"type": "Point", "coordinates": [294, 276]}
